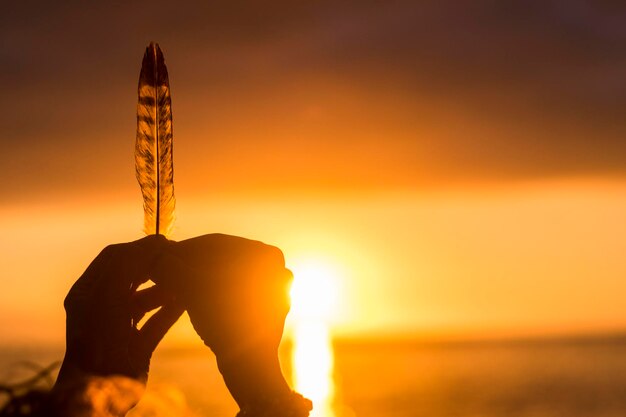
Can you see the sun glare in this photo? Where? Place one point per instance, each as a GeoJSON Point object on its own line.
{"type": "Point", "coordinates": [314, 291]}
{"type": "Point", "coordinates": [313, 366]}
{"type": "Point", "coordinates": [314, 296]}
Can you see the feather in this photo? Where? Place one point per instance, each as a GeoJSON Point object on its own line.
{"type": "Point", "coordinates": [153, 148]}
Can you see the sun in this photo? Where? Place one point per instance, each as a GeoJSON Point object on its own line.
{"type": "Point", "coordinates": [314, 291]}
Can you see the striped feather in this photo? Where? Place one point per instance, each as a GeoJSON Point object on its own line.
{"type": "Point", "coordinates": [153, 149]}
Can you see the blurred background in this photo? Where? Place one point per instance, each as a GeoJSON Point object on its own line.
{"type": "Point", "coordinates": [446, 179]}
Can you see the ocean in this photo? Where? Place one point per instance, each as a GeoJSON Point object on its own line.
{"type": "Point", "coordinates": [384, 378]}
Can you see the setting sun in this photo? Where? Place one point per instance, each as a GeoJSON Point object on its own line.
{"type": "Point", "coordinates": [314, 291]}
{"type": "Point", "coordinates": [445, 180]}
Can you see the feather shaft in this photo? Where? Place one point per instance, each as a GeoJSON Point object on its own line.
{"type": "Point", "coordinates": [154, 166]}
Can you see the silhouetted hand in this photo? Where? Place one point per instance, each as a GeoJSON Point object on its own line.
{"type": "Point", "coordinates": [107, 358]}
{"type": "Point", "coordinates": [236, 293]}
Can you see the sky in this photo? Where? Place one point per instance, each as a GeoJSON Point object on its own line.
{"type": "Point", "coordinates": [461, 166]}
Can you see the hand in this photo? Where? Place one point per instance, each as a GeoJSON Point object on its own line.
{"type": "Point", "coordinates": [236, 293]}
{"type": "Point", "coordinates": [104, 349]}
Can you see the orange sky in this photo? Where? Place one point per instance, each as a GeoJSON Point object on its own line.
{"type": "Point", "coordinates": [463, 167]}
{"type": "Point", "coordinates": [538, 258]}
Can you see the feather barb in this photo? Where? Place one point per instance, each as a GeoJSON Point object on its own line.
{"type": "Point", "coordinates": [153, 148]}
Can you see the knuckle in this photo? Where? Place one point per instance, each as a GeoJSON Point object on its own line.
{"type": "Point", "coordinates": [111, 249]}
{"type": "Point", "coordinates": [107, 252]}
{"type": "Point", "coordinates": [70, 303]}
{"type": "Point", "coordinates": [275, 255]}
{"type": "Point", "coordinates": [288, 275]}
{"type": "Point", "coordinates": [115, 250]}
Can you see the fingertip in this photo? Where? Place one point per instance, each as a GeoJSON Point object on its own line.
{"type": "Point", "coordinates": [276, 255]}
{"type": "Point", "coordinates": [154, 244]}
{"type": "Point", "coordinates": [289, 275]}
{"type": "Point", "coordinates": [153, 240]}
{"type": "Point", "coordinates": [153, 331]}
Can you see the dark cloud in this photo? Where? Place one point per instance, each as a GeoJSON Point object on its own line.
{"type": "Point", "coordinates": [435, 91]}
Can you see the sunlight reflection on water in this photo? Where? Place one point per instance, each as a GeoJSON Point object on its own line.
{"type": "Point", "coordinates": [313, 366]}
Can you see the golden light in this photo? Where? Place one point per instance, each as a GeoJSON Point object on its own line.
{"type": "Point", "coordinates": [314, 291]}
{"type": "Point", "coordinates": [314, 295]}
{"type": "Point", "coordinates": [313, 366]}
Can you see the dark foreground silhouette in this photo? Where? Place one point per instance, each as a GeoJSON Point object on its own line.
{"type": "Point", "coordinates": [236, 293]}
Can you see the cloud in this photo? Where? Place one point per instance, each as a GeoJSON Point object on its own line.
{"type": "Point", "coordinates": [369, 93]}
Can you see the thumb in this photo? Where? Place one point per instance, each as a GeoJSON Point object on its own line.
{"type": "Point", "coordinates": [158, 325]}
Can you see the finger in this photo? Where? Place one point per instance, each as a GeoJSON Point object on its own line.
{"type": "Point", "coordinates": [81, 292]}
{"type": "Point", "coordinates": [137, 317]}
{"type": "Point", "coordinates": [288, 276]}
{"type": "Point", "coordinates": [129, 264]}
{"type": "Point", "coordinates": [153, 243]}
{"type": "Point", "coordinates": [157, 326]}
{"type": "Point", "coordinates": [126, 268]}
{"type": "Point", "coordinates": [170, 270]}
{"type": "Point", "coordinates": [150, 298]}
{"type": "Point", "coordinates": [152, 247]}
{"type": "Point", "coordinates": [100, 296]}
{"type": "Point", "coordinates": [146, 300]}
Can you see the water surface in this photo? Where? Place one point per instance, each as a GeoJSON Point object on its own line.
{"type": "Point", "coordinates": [573, 378]}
